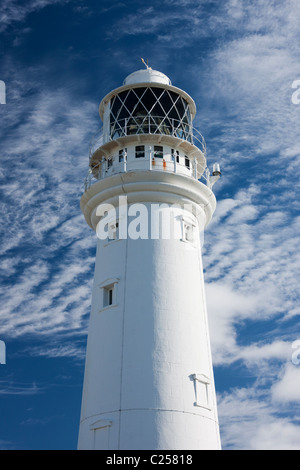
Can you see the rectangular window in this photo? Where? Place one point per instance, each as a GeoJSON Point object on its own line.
{"type": "Point", "coordinates": [122, 155]}
{"type": "Point", "coordinates": [187, 161]}
{"type": "Point", "coordinates": [100, 434]}
{"type": "Point", "coordinates": [113, 231]}
{"type": "Point", "coordinates": [188, 231]}
{"type": "Point", "coordinates": [108, 295]}
{"type": "Point", "coordinates": [158, 151]}
{"type": "Point", "coordinates": [140, 151]}
{"type": "Point", "coordinates": [202, 390]}
{"type": "Point", "coordinates": [109, 163]}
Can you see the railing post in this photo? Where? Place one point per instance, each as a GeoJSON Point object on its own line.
{"type": "Point", "coordinates": [150, 159]}
{"type": "Point", "coordinates": [125, 161]}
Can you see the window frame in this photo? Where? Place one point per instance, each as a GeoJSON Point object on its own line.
{"type": "Point", "coordinates": [113, 231]}
{"type": "Point", "coordinates": [188, 230]}
{"type": "Point", "coordinates": [202, 390]}
{"type": "Point", "coordinates": [109, 293]}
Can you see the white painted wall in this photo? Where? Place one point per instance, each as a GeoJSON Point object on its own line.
{"type": "Point", "coordinates": [144, 351]}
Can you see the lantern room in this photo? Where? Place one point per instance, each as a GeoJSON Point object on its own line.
{"type": "Point", "coordinates": [147, 124]}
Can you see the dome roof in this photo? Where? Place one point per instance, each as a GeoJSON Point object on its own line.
{"type": "Point", "coordinates": [147, 76]}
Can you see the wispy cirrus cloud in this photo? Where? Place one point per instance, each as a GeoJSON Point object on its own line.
{"type": "Point", "coordinates": [44, 157]}
{"type": "Point", "coordinates": [11, 11]}
{"type": "Point", "coordinates": [252, 264]}
{"type": "Point", "coordinates": [240, 62]}
{"type": "Point", "coordinates": [252, 269]}
{"type": "Point", "coordinates": [253, 423]}
{"type": "Point", "coordinates": [12, 388]}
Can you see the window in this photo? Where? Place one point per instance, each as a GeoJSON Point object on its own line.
{"type": "Point", "coordinates": [188, 231]}
{"type": "Point", "coordinates": [145, 110]}
{"type": "Point", "coordinates": [187, 161]}
{"type": "Point", "coordinates": [100, 434]}
{"type": "Point", "coordinates": [158, 151]}
{"type": "Point", "coordinates": [201, 388]}
{"type": "Point", "coordinates": [2, 353]}
{"type": "Point", "coordinates": [113, 231]}
{"type": "Point", "coordinates": [109, 293]}
{"type": "Point", "coordinates": [122, 155]}
{"type": "Point", "coordinates": [173, 154]}
{"type": "Point", "coordinates": [109, 162]}
{"type": "Point", "coordinates": [140, 151]}
{"type": "Point", "coordinates": [108, 296]}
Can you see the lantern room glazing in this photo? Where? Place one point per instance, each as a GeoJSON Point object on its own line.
{"type": "Point", "coordinates": [150, 110]}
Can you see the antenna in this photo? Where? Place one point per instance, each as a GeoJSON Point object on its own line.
{"type": "Point", "coordinates": [148, 68]}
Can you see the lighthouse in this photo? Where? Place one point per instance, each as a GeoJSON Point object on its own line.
{"type": "Point", "coordinates": [148, 381]}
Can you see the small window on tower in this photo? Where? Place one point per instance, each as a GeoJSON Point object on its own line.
{"type": "Point", "coordinates": [187, 161]}
{"type": "Point", "coordinates": [109, 293]}
{"type": "Point", "coordinates": [109, 162]}
{"type": "Point", "coordinates": [140, 151]}
{"type": "Point", "coordinates": [108, 296]}
{"type": "Point", "coordinates": [158, 151]}
{"type": "Point", "coordinates": [202, 390]}
{"type": "Point", "coordinates": [113, 231]}
{"type": "Point", "coordinates": [188, 232]}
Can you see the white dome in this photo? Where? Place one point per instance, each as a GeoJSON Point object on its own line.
{"type": "Point", "coordinates": [147, 76]}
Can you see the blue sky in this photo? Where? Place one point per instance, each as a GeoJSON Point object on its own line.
{"type": "Point", "coordinates": [238, 60]}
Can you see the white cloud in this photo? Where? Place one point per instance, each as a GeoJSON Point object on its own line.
{"type": "Point", "coordinates": [250, 422]}
{"type": "Point", "coordinates": [66, 350]}
{"type": "Point", "coordinates": [251, 249]}
{"type": "Point", "coordinates": [11, 11]}
{"type": "Point", "coordinates": [45, 242]}
{"type": "Point", "coordinates": [12, 388]}
{"type": "Point", "coordinates": [251, 254]}
{"type": "Point", "coordinates": [287, 388]}
{"type": "Point", "coordinates": [39, 303]}
{"type": "Point", "coordinates": [226, 308]}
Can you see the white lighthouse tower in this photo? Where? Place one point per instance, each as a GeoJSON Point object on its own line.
{"type": "Point", "coordinates": [148, 380]}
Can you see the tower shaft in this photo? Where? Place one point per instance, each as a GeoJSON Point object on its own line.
{"type": "Point", "coordinates": [148, 376]}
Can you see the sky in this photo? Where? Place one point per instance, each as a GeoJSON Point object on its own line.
{"type": "Point", "coordinates": [239, 60]}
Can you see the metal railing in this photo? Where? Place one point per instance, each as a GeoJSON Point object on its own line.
{"type": "Point", "coordinates": [153, 125]}
{"type": "Point", "coordinates": [101, 170]}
